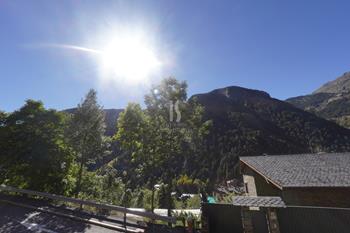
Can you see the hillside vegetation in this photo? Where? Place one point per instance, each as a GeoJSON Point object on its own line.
{"type": "Point", "coordinates": [118, 156]}
{"type": "Point", "coordinates": [249, 122]}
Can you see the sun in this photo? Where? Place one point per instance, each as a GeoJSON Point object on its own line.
{"type": "Point", "coordinates": [125, 55]}
{"type": "Point", "coordinates": [129, 58]}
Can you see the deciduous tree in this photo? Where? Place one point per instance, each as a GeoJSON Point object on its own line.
{"type": "Point", "coordinates": [34, 150]}
{"type": "Point", "coordinates": [166, 137]}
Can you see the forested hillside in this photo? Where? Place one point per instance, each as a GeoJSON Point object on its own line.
{"type": "Point", "coordinates": [249, 122]}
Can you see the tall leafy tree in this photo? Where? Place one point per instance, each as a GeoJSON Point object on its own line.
{"type": "Point", "coordinates": [86, 134]}
{"type": "Point", "coordinates": [137, 138]}
{"type": "Point", "coordinates": [179, 125]}
{"type": "Point", "coordinates": [166, 137]}
{"type": "Point", "coordinates": [34, 151]}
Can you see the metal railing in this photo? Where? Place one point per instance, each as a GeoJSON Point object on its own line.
{"type": "Point", "coordinates": [121, 209]}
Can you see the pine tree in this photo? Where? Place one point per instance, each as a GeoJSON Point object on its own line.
{"type": "Point", "coordinates": [86, 134]}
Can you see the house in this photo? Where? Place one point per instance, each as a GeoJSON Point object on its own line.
{"type": "Point", "coordinates": [300, 180]}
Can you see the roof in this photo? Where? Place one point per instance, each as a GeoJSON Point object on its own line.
{"type": "Point", "coordinates": [260, 201]}
{"type": "Point", "coordinates": [303, 170]}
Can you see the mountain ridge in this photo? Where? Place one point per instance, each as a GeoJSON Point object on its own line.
{"type": "Point", "coordinates": [339, 85]}
{"type": "Point", "coordinates": [331, 101]}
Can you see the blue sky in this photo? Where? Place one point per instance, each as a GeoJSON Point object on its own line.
{"type": "Point", "coordinates": [287, 48]}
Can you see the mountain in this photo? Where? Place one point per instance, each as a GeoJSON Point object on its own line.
{"type": "Point", "coordinates": [249, 122]}
{"type": "Point", "coordinates": [331, 101]}
{"type": "Point", "coordinates": [111, 117]}
{"type": "Point", "coordinates": [339, 85]}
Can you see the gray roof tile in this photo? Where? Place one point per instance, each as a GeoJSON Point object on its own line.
{"type": "Point", "coordinates": [260, 201]}
{"type": "Point", "coordinates": [304, 170]}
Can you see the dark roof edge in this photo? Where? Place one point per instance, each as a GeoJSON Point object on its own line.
{"type": "Point", "coordinates": [260, 173]}
{"type": "Point", "coordinates": [314, 186]}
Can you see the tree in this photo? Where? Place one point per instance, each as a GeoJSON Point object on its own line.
{"type": "Point", "coordinates": [179, 125]}
{"type": "Point", "coordinates": [162, 138]}
{"type": "Point", "coordinates": [86, 134]}
{"type": "Point", "coordinates": [136, 136]}
{"type": "Point", "coordinates": [34, 150]}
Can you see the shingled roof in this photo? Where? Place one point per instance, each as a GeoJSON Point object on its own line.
{"type": "Point", "coordinates": [248, 201]}
{"type": "Point", "coordinates": [303, 170]}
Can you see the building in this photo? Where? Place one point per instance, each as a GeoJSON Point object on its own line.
{"type": "Point", "coordinates": [300, 180]}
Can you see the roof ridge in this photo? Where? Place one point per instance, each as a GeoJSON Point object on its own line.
{"type": "Point", "coordinates": [298, 154]}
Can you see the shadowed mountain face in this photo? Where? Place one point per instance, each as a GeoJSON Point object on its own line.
{"type": "Point", "coordinates": [249, 122]}
{"type": "Point", "coordinates": [111, 117]}
{"type": "Point", "coordinates": [331, 101]}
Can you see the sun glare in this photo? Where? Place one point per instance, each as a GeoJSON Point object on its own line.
{"type": "Point", "coordinates": [129, 58]}
{"type": "Point", "coordinates": [126, 56]}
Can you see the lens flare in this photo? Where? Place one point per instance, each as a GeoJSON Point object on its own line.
{"type": "Point", "coordinates": [129, 59]}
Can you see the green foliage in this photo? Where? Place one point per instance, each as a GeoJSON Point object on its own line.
{"type": "Point", "coordinates": [187, 185]}
{"type": "Point", "coordinates": [86, 129]}
{"type": "Point", "coordinates": [188, 203]}
{"type": "Point", "coordinates": [228, 199]}
{"type": "Point", "coordinates": [186, 217]}
{"type": "Point", "coordinates": [139, 200]}
{"type": "Point", "coordinates": [126, 197]}
{"type": "Point", "coordinates": [194, 202]}
{"type": "Point", "coordinates": [86, 134]}
{"type": "Point", "coordinates": [148, 199]}
{"type": "Point", "coordinates": [99, 187]}
{"type": "Point", "coordinates": [160, 149]}
{"type": "Point", "coordinates": [161, 146]}
{"type": "Point", "coordinates": [34, 151]}
{"type": "Point", "coordinates": [132, 125]}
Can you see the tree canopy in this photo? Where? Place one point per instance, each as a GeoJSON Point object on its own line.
{"type": "Point", "coordinates": [34, 153]}
{"type": "Point", "coordinates": [161, 145]}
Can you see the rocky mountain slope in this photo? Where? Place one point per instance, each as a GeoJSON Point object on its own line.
{"type": "Point", "coordinates": [339, 85]}
{"type": "Point", "coordinates": [331, 101]}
